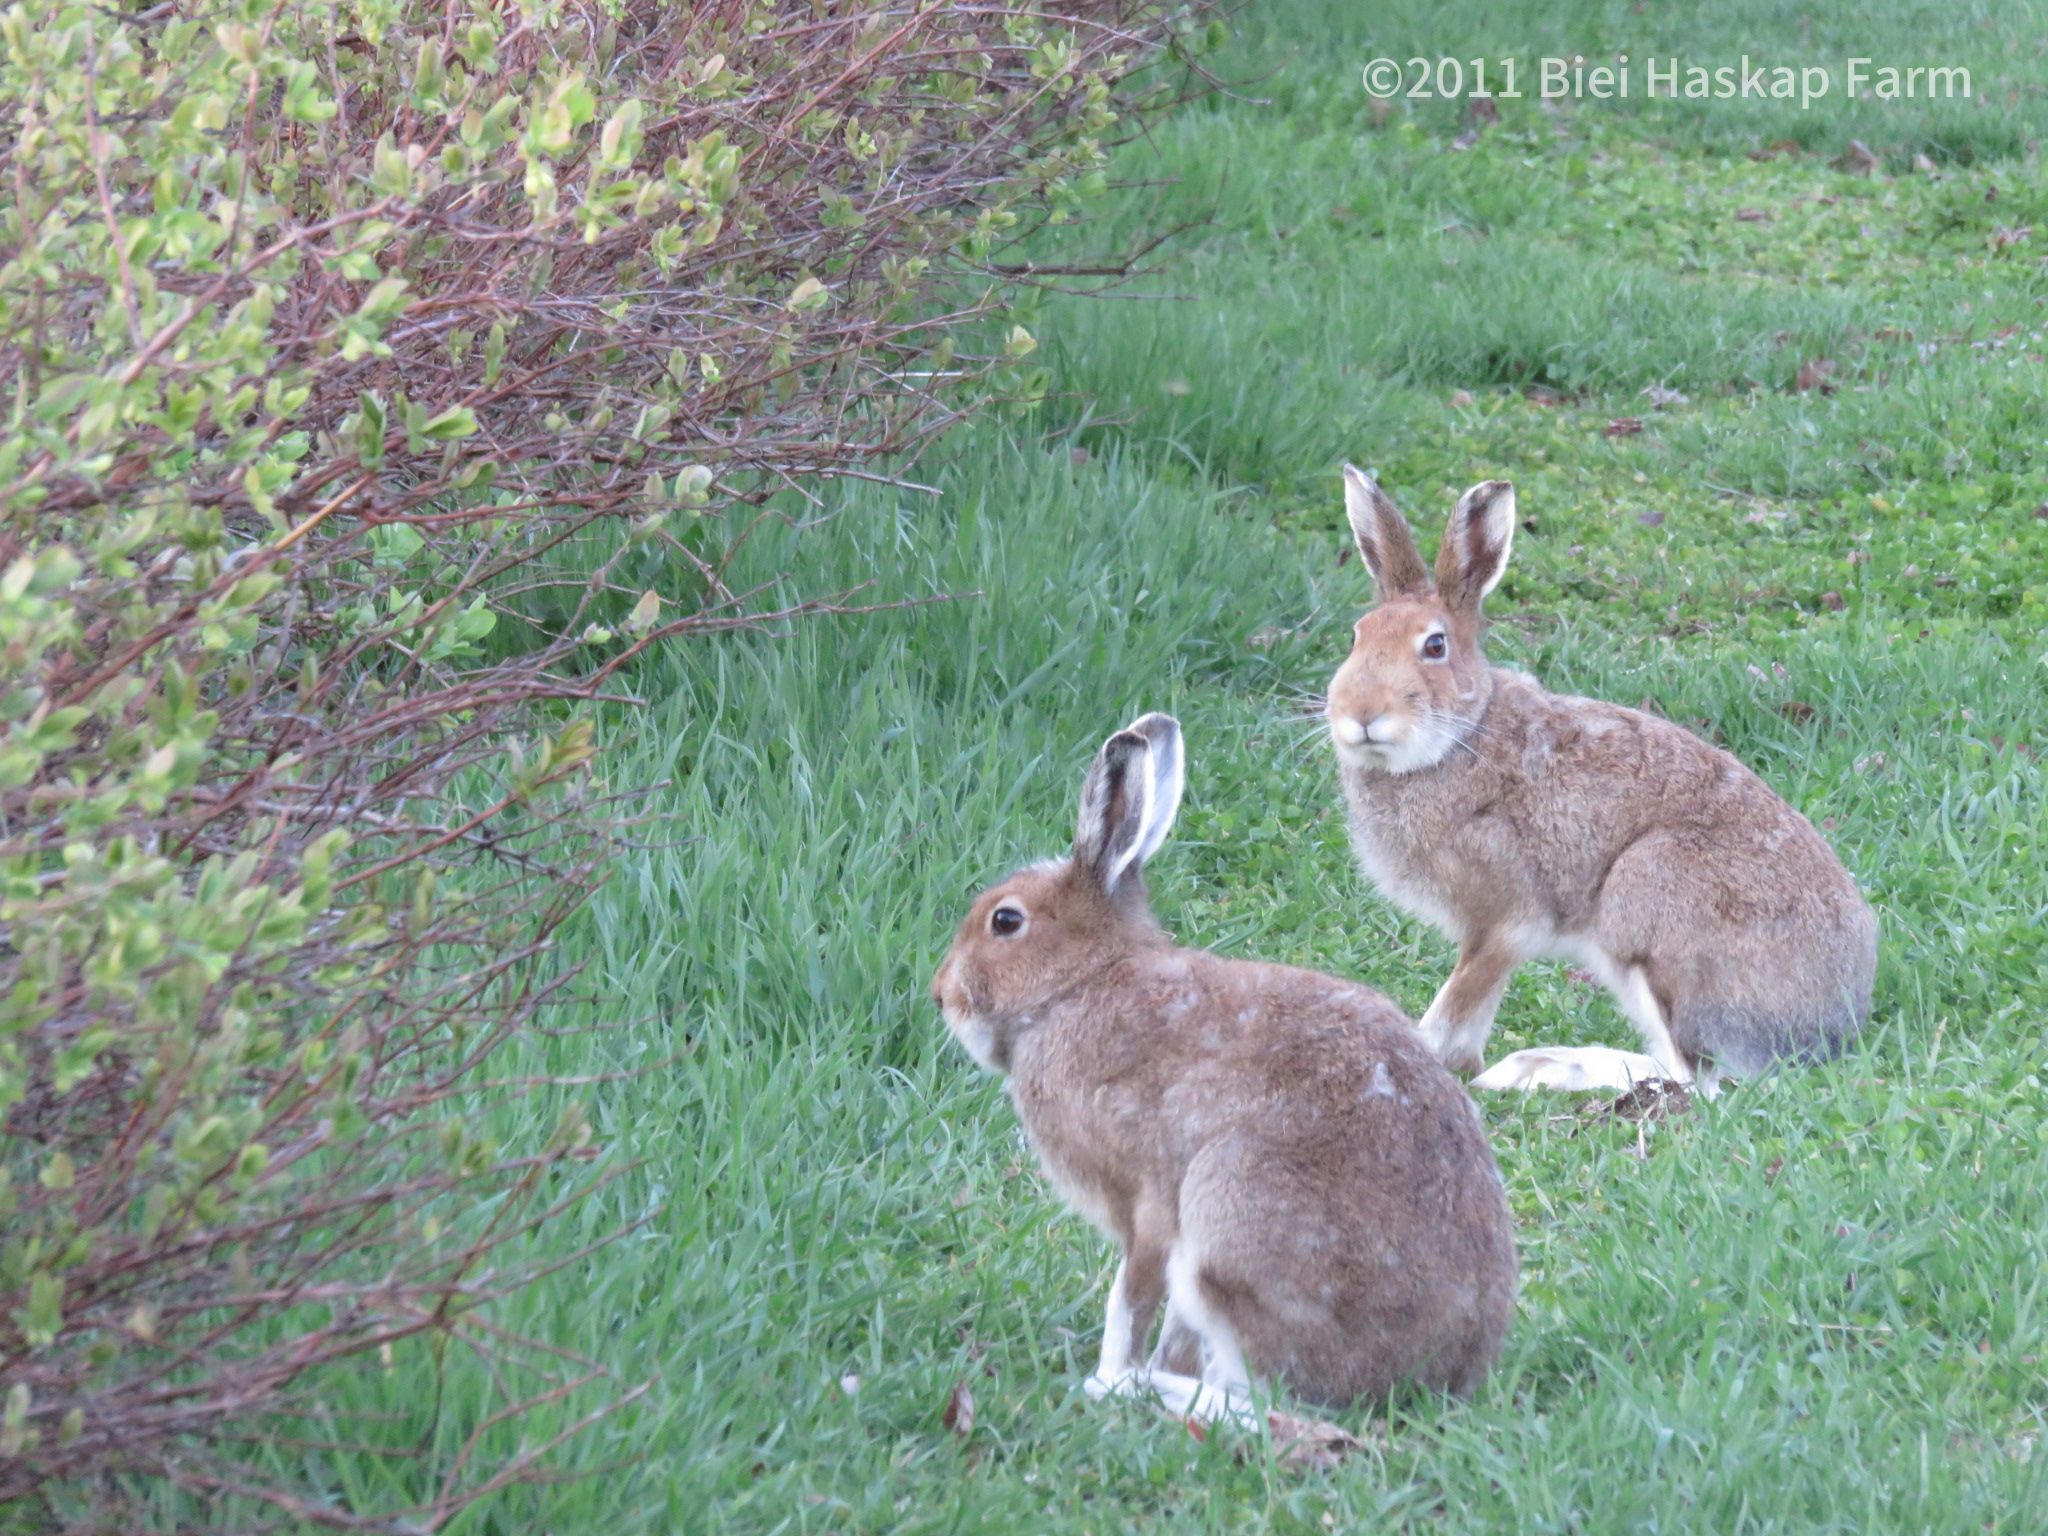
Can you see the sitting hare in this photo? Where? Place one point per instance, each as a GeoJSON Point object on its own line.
{"type": "Point", "coordinates": [1525, 823]}
{"type": "Point", "coordinates": [1310, 1192]}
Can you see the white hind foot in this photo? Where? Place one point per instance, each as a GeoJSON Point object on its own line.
{"type": "Point", "coordinates": [1206, 1403]}
{"type": "Point", "coordinates": [1574, 1069]}
{"type": "Point", "coordinates": [1184, 1397]}
{"type": "Point", "coordinates": [1224, 1391]}
{"type": "Point", "coordinates": [1632, 992]}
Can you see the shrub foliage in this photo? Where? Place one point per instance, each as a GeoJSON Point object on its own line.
{"type": "Point", "coordinates": [327, 326]}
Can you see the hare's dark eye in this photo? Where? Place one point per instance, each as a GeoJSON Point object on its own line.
{"type": "Point", "coordinates": [1433, 646]}
{"type": "Point", "coordinates": [1005, 921]}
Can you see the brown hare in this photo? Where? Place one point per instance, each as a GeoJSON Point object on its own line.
{"type": "Point", "coordinates": [1523, 823]}
{"type": "Point", "coordinates": [1285, 1165]}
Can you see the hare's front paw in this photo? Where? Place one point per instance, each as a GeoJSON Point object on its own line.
{"type": "Point", "coordinates": [1457, 1043]}
{"type": "Point", "coordinates": [1122, 1384]}
{"type": "Point", "coordinates": [1461, 1059]}
{"type": "Point", "coordinates": [1455, 1048]}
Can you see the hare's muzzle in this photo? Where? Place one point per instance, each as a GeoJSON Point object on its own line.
{"type": "Point", "coordinates": [942, 982]}
{"type": "Point", "coordinates": [1383, 728]}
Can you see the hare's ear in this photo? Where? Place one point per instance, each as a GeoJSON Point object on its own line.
{"type": "Point", "coordinates": [1168, 765]}
{"type": "Point", "coordinates": [1384, 541]}
{"type": "Point", "coordinates": [1474, 555]}
{"type": "Point", "coordinates": [1129, 799]}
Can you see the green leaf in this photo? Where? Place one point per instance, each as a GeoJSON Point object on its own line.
{"type": "Point", "coordinates": [494, 352]}
{"type": "Point", "coordinates": [693, 486]}
{"type": "Point", "coordinates": [15, 1435]}
{"type": "Point", "coordinates": [620, 141]}
{"type": "Point", "coordinates": [396, 543]}
{"type": "Point", "coordinates": [384, 302]}
{"type": "Point", "coordinates": [391, 169]}
{"type": "Point", "coordinates": [481, 48]}
{"type": "Point", "coordinates": [55, 567]}
{"type": "Point", "coordinates": [450, 424]}
{"type": "Point", "coordinates": [475, 621]}
{"type": "Point", "coordinates": [429, 78]}
{"type": "Point", "coordinates": [370, 428]}
{"type": "Point", "coordinates": [43, 1318]}
{"type": "Point", "coordinates": [569, 107]}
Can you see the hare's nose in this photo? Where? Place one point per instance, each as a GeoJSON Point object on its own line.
{"type": "Point", "coordinates": [1351, 732]}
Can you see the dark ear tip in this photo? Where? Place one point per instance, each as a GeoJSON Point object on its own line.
{"type": "Point", "coordinates": [1482, 497]}
{"type": "Point", "coordinates": [1154, 722]}
{"type": "Point", "coordinates": [1129, 739]}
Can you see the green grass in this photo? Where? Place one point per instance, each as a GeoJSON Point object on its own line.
{"type": "Point", "coordinates": [1818, 1305]}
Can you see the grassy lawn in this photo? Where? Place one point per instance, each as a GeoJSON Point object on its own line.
{"type": "Point", "coordinates": [1820, 1304]}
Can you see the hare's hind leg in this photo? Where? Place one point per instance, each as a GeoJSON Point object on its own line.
{"type": "Point", "coordinates": [1133, 1299]}
{"type": "Point", "coordinates": [1191, 1397]}
{"type": "Point", "coordinates": [1591, 1067]}
{"type": "Point", "coordinates": [1179, 1349]}
{"type": "Point", "coordinates": [1222, 1390]}
{"type": "Point", "coordinates": [1222, 1355]}
{"type": "Point", "coordinates": [1632, 991]}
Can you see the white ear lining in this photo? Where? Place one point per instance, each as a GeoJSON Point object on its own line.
{"type": "Point", "coordinates": [1500, 517]}
{"type": "Point", "coordinates": [1384, 539]}
{"type": "Point", "coordinates": [1134, 851]}
{"type": "Point", "coordinates": [1154, 785]}
{"type": "Point", "coordinates": [1168, 778]}
{"type": "Point", "coordinates": [1358, 507]}
{"type": "Point", "coordinates": [1143, 767]}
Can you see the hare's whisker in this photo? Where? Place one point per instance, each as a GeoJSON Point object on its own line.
{"type": "Point", "coordinates": [1455, 732]}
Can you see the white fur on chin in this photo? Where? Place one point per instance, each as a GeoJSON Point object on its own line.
{"type": "Point", "coordinates": [1423, 747]}
{"type": "Point", "coordinates": [974, 1034]}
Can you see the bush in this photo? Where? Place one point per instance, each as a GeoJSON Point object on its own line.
{"type": "Point", "coordinates": [330, 326]}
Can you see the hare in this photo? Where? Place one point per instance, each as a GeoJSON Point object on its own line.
{"type": "Point", "coordinates": [1309, 1191]}
{"type": "Point", "coordinates": [1524, 823]}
